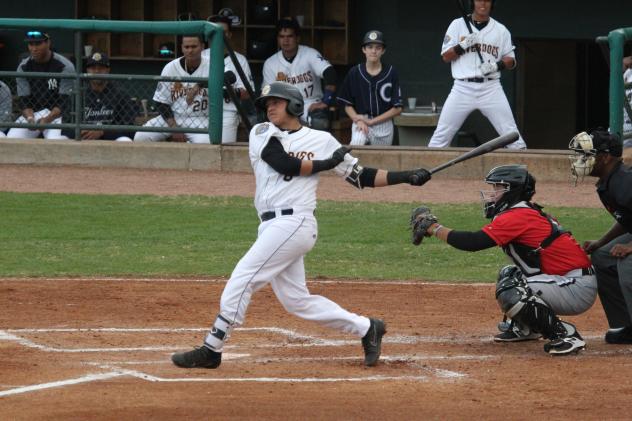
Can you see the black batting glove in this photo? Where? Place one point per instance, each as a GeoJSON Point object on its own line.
{"type": "Point", "coordinates": [419, 177]}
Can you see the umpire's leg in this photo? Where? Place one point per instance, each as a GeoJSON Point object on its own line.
{"type": "Point", "coordinates": [614, 281]}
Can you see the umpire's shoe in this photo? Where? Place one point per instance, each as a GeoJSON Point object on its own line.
{"type": "Point", "coordinates": [621, 335]}
{"type": "Point", "coordinates": [201, 357]}
{"type": "Point", "coordinates": [372, 342]}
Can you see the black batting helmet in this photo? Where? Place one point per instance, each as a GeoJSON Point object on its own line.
{"type": "Point", "coordinates": [285, 91]}
{"type": "Point", "coordinates": [518, 185]}
{"type": "Point", "coordinates": [472, 5]}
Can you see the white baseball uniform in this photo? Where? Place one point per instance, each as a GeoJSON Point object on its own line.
{"type": "Point", "coordinates": [627, 122]}
{"type": "Point", "coordinates": [188, 101]}
{"type": "Point", "coordinates": [276, 257]}
{"type": "Point", "coordinates": [472, 90]}
{"type": "Point", "coordinates": [230, 117]}
{"type": "Point", "coordinates": [304, 72]}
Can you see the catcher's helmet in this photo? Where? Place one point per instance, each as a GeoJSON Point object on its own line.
{"type": "Point", "coordinates": [285, 91]}
{"type": "Point", "coordinates": [518, 185]}
{"type": "Point", "coordinates": [472, 5]}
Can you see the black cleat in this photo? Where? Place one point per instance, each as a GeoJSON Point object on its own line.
{"type": "Point", "coordinates": [372, 342]}
{"type": "Point", "coordinates": [566, 345]}
{"type": "Point", "coordinates": [619, 336]}
{"type": "Point", "coordinates": [201, 357]}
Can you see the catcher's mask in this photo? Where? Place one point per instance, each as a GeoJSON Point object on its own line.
{"type": "Point", "coordinates": [586, 147]}
{"type": "Point", "coordinates": [285, 91]}
{"type": "Point", "coordinates": [512, 184]}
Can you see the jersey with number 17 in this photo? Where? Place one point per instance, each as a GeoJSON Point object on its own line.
{"type": "Point", "coordinates": [304, 72]}
{"type": "Point", "coordinates": [175, 93]}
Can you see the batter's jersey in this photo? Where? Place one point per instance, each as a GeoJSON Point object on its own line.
{"type": "Point", "coordinates": [175, 93]}
{"type": "Point", "coordinates": [627, 122]}
{"type": "Point", "coordinates": [495, 44]}
{"type": "Point", "coordinates": [230, 66]}
{"type": "Point", "coordinates": [524, 225]}
{"type": "Point", "coordinates": [371, 95]}
{"type": "Point", "coordinates": [304, 72]}
{"type": "Point", "coordinates": [277, 191]}
{"type": "Point", "coordinates": [42, 93]}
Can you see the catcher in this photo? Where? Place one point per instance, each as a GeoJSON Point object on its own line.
{"type": "Point", "coordinates": [551, 274]}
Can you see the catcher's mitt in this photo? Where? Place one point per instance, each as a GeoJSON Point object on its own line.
{"type": "Point", "coordinates": [420, 221]}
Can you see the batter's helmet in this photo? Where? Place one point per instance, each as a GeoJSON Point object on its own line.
{"type": "Point", "coordinates": [285, 91]}
{"type": "Point", "coordinates": [472, 5]}
{"type": "Point", "coordinates": [518, 185]}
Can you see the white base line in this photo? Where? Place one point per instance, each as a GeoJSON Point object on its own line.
{"type": "Point", "coordinates": [62, 383]}
{"type": "Point", "coordinates": [223, 281]}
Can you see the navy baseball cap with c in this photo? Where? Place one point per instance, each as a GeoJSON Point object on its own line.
{"type": "Point", "coordinates": [98, 59]}
{"type": "Point", "coordinates": [35, 35]}
{"type": "Point", "coordinates": [373, 37]}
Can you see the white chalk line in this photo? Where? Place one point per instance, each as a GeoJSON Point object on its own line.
{"type": "Point", "coordinates": [223, 281]}
{"type": "Point", "coordinates": [61, 383]}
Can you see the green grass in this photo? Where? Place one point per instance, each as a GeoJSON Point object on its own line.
{"type": "Point", "coordinates": [97, 235]}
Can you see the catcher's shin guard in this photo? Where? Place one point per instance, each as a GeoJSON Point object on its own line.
{"type": "Point", "coordinates": [517, 302]}
{"type": "Point", "coordinates": [219, 333]}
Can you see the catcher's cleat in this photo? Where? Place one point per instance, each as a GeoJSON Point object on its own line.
{"type": "Point", "coordinates": [621, 335]}
{"type": "Point", "coordinates": [566, 345]}
{"type": "Point", "coordinates": [512, 332]}
{"type": "Point", "coordinates": [372, 342]}
{"type": "Point", "coordinates": [201, 357]}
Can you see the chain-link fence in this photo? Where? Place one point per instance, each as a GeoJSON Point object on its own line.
{"type": "Point", "coordinates": [53, 97]}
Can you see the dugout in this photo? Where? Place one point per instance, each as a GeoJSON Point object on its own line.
{"type": "Point", "coordinates": [559, 88]}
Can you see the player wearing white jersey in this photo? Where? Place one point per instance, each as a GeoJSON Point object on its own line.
{"type": "Point", "coordinates": [286, 158]}
{"type": "Point", "coordinates": [181, 104]}
{"type": "Point", "coordinates": [230, 117]}
{"type": "Point", "coordinates": [477, 85]}
{"type": "Point", "coordinates": [627, 119]}
{"type": "Point", "coordinates": [303, 67]}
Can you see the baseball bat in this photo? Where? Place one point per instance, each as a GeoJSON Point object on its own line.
{"type": "Point", "coordinates": [469, 27]}
{"type": "Point", "coordinates": [486, 147]}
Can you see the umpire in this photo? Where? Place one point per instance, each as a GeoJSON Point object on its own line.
{"type": "Point", "coordinates": [598, 154]}
{"type": "Point", "coordinates": [104, 104]}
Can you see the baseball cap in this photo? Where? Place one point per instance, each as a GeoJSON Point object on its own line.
{"type": "Point", "coordinates": [373, 37]}
{"type": "Point", "coordinates": [603, 141]}
{"type": "Point", "coordinates": [288, 22]}
{"type": "Point", "coordinates": [35, 35]}
{"type": "Point", "coordinates": [221, 19]}
{"type": "Point", "coordinates": [98, 59]}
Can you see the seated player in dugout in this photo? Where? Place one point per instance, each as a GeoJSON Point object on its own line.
{"type": "Point", "coordinates": [371, 95]}
{"type": "Point", "coordinates": [551, 274]}
{"type": "Point", "coordinates": [303, 67]}
{"type": "Point", "coordinates": [287, 158]}
{"type": "Point", "coordinates": [104, 104]}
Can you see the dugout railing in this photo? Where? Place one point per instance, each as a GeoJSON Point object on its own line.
{"type": "Point", "coordinates": [615, 41]}
{"type": "Point", "coordinates": [212, 33]}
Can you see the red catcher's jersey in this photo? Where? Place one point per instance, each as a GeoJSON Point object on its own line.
{"type": "Point", "coordinates": [526, 226]}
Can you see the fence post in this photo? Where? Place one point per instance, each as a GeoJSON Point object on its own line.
{"type": "Point", "coordinates": [78, 93]}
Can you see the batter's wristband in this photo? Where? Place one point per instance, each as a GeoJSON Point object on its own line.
{"type": "Point", "coordinates": [501, 65]}
{"type": "Point", "coordinates": [459, 50]}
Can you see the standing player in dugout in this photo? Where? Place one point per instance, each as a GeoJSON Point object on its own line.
{"type": "Point", "coordinates": [286, 158]}
{"type": "Point", "coordinates": [477, 85]}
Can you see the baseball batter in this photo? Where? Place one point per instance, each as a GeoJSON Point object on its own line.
{"type": "Point", "coordinates": [181, 104]}
{"type": "Point", "coordinates": [286, 159]}
{"type": "Point", "coordinates": [303, 67]}
{"type": "Point", "coordinates": [230, 116]}
{"type": "Point", "coordinates": [551, 274]}
{"type": "Point", "coordinates": [371, 95]}
{"type": "Point", "coordinates": [477, 85]}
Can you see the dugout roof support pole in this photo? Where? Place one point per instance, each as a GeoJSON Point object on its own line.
{"type": "Point", "coordinates": [210, 31]}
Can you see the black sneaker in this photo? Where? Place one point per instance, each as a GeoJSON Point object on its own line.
{"type": "Point", "coordinates": [566, 345]}
{"type": "Point", "coordinates": [513, 333]}
{"type": "Point", "coordinates": [201, 357]}
{"type": "Point", "coordinates": [372, 342]}
{"type": "Point", "coordinates": [619, 336]}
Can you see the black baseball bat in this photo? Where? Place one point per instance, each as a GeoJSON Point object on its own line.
{"type": "Point", "coordinates": [486, 147]}
{"type": "Point", "coordinates": [240, 71]}
{"type": "Point", "coordinates": [229, 79]}
{"type": "Point", "coordinates": [469, 27]}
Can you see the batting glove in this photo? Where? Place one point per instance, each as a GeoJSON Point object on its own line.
{"type": "Point", "coordinates": [487, 68]}
{"type": "Point", "coordinates": [469, 41]}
